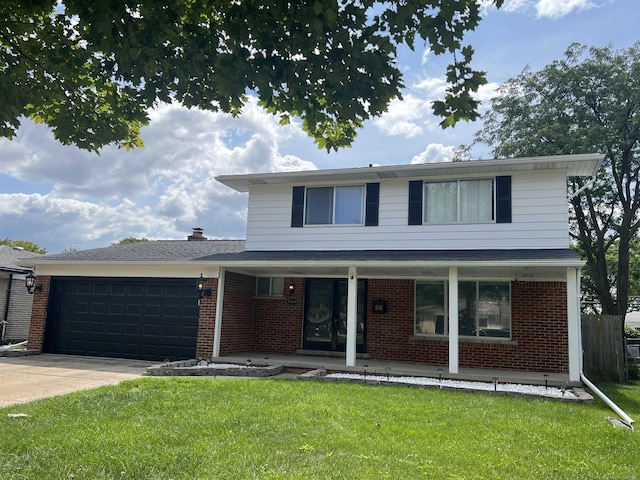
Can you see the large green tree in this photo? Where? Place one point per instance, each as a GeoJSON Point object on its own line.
{"type": "Point", "coordinates": [91, 69]}
{"type": "Point", "coordinates": [130, 240]}
{"type": "Point", "coordinates": [587, 102]}
{"type": "Point", "coordinates": [27, 245]}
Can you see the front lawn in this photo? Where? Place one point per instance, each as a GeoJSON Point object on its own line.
{"type": "Point", "coordinates": [201, 428]}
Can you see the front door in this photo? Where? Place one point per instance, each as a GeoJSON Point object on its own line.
{"type": "Point", "coordinates": [325, 319]}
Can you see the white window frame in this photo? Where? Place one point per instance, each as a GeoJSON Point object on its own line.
{"type": "Point", "coordinates": [460, 207]}
{"type": "Point", "coordinates": [445, 333]}
{"type": "Point", "coordinates": [334, 189]}
{"type": "Point", "coordinates": [276, 287]}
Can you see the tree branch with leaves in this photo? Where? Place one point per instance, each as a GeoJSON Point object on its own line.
{"type": "Point", "coordinates": [91, 70]}
{"type": "Point", "coordinates": [589, 101]}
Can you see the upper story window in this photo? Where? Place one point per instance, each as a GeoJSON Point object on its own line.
{"type": "Point", "coordinates": [342, 205]}
{"type": "Point", "coordinates": [338, 205]}
{"type": "Point", "coordinates": [463, 201]}
{"type": "Point", "coordinates": [460, 201]}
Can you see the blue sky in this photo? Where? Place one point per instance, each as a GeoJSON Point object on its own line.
{"type": "Point", "coordinates": [61, 197]}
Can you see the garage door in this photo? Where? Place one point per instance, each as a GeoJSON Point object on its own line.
{"type": "Point", "coordinates": [145, 319]}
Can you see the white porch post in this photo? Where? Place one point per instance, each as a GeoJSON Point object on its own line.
{"type": "Point", "coordinates": [352, 316]}
{"type": "Point", "coordinates": [573, 322]}
{"type": "Point", "coordinates": [453, 319]}
{"type": "Point", "coordinates": [217, 331]}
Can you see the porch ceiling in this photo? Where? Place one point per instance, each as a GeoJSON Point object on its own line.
{"type": "Point", "coordinates": [512, 264]}
{"type": "Point", "coordinates": [404, 271]}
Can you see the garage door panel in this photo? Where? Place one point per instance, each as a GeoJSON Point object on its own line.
{"type": "Point", "coordinates": [98, 308]}
{"type": "Point", "coordinates": [131, 318]}
{"type": "Point", "coordinates": [114, 328]}
{"type": "Point", "coordinates": [80, 308]}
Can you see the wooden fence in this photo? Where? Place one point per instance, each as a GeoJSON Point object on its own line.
{"type": "Point", "coordinates": [603, 348]}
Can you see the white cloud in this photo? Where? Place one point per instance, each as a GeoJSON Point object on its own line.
{"type": "Point", "coordinates": [556, 9]}
{"type": "Point", "coordinates": [435, 152]}
{"type": "Point", "coordinates": [403, 117]}
{"type": "Point", "coordinates": [548, 8]}
{"type": "Point", "coordinates": [516, 5]}
{"type": "Point", "coordinates": [158, 191]}
{"type": "Point", "coordinates": [433, 87]}
{"type": "Point", "coordinates": [80, 223]}
{"type": "Point", "coordinates": [425, 56]}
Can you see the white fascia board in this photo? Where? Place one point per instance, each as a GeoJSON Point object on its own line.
{"type": "Point", "coordinates": [128, 269]}
{"type": "Point", "coordinates": [408, 264]}
{"type": "Point", "coordinates": [573, 165]}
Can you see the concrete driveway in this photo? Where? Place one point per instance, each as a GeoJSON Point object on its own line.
{"type": "Point", "coordinates": [23, 379]}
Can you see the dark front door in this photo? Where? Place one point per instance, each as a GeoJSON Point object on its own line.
{"type": "Point", "coordinates": [325, 319]}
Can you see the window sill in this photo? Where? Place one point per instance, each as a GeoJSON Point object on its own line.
{"type": "Point", "coordinates": [338, 225]}
{"type": "Point", "coordinates": [445, 338]}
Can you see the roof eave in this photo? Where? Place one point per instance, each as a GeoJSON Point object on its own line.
{"type": "Point", "coordinates": [575, 165]}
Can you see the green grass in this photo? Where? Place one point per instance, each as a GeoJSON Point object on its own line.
{"type": "Point", "coordinates": [177, 428]}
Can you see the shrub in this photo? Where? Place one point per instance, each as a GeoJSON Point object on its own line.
{"type": "Point", "coordinates": [633, 368]}
{"type": "Point", "coordinates": [631, 332]}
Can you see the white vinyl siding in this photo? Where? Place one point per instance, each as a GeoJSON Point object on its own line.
{"type": "Point", "coordinates": [539, 220]}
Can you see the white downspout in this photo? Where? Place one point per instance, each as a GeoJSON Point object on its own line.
{"type": "Point", "coordinates": [217, 330]}
{"type": "Point", "coordinates": [625, 418]}
{"type": "Point", "coordinates": [573, 324]}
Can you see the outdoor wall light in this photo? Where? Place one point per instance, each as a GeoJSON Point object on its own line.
{"type": "Point", "coordinates": [203, 291]}
{"type": "Point", "coordinates": [292, 288]}
{"type": "Point", "coordinates": [30, 283]}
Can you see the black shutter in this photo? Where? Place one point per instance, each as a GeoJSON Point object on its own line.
{"type": "Point", "coordinates": [297, 207]}
{"type": "Point", "coordinates": [503, 199]}
{"type": "Point", "coordinates": [416, 187]}
{"type": "Point", "coordinates": [372, 203]}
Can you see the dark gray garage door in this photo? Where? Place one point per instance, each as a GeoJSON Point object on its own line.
{"type": "Point", "coordinates": [147, 319]}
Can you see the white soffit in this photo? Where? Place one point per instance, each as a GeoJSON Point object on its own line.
{"type": "Point", "coordinates": [584, 165]}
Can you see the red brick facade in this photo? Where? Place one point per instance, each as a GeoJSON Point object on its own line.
{"type": "Point", "coordinates": [39, 314]}
{"type": "Point", "coordinates": [271, 325]}
{"type": "Point", "coordinates": [279, 324]}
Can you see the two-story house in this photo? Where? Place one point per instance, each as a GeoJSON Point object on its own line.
{"type": "Point", "coordinates": [460, 265]}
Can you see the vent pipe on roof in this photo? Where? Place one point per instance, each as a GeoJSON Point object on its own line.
{"type": "Point", "coordinates": [196, 235]}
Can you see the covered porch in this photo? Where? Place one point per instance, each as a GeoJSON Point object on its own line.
{"type": "Point", "coordinates": [458, 354]}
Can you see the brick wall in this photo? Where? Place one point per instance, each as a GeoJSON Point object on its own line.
{"type": "Point", "coordinates": [389, 334]}
{"type": "Point", "coordinates": [238, 327]}
{"type": "Point", "coordinates": [278, 324]}
{"type": "Point", "coordinates": [206, 321]}
{"type": "Point", "coordinates": [250, 323]}
{"type": "Point", "coordinates": [39, 314]}
{"type": "Point", "coordinates": [539, 311]}
{"type": "Point", "coordinates": [539, 326]}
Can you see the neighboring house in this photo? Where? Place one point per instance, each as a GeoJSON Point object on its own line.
{"type": "Point", "coordinates": [15, 301]}
{"type": "Point", "coordinates": [463, 264]}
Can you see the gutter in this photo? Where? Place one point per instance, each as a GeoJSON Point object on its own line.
{"type": "Point", "coordinates": [626, 419]}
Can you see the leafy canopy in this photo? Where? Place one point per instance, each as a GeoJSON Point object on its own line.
{"type": "Point", "coordinates": [90, 70]}
{"type": "Point", "coordinates": [130, 240]}
{"type": "Point", "coordinates": [25, 244]}
{"type": "Point", "coordinates": [587, 102]}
